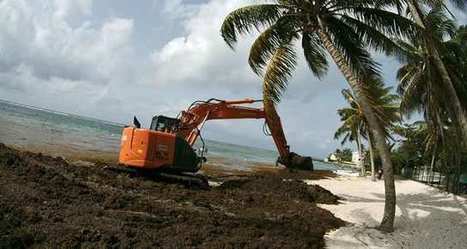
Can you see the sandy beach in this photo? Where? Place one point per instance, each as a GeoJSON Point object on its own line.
{"type": "Point", "coordinates": [425, 216]}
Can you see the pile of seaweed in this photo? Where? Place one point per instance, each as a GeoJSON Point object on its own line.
{"type": "Point", "coordinates": [48, 202]}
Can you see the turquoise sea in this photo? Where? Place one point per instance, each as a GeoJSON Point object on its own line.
{"type": "Point", "coordinates": [69, 135]}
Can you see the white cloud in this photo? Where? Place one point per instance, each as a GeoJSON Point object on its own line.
{"type": "Point", "coordinates": [71, 8]}
{"type": "Point", "coordinates": [40, 49]}
{"type": "Point", "coordinates": [201, 56]}
{"type": "Point", "coordinates": [51, 47]}
{"type": "Point", "coordinates": [178, 9]}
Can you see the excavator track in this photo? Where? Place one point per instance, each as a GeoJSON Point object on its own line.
{"type": "Point", "coordinates": [189, 180]}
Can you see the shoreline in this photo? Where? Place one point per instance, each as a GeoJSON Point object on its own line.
{"type": "Point", "coordinates": [214, 167]}
{"type": "Point", "coordinates": [84, 156]}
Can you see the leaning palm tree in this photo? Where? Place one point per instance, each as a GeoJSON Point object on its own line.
{"type": "Point", "coordinates": [422, 89]}
{"type": "Point", "coordinates": [421, 82]}
{"type": "Point", "coordinates": [352, 125]}
{"type": "Point", "coordinates": [341, 28]}
{"type": "Point", "coordinates": [432, 43]}
{"type": "Point", "coordinates": [386, 106]}
{"type": "Point", "coordinates": [455, 58]}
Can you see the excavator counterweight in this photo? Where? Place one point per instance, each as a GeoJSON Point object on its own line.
{"type": "Point", "coordinates": [168, 144]}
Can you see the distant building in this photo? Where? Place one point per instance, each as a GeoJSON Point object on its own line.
{"type": "Point", "coordinates": [333, 158]}
{"type": "Point", "coordinates": [356, 158]}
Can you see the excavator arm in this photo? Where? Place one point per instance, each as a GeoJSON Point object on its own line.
{"type": "Point", "coordinates": [194, 118]}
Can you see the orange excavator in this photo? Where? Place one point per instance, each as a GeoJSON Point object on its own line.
{"type": "Point", "coordinates": [167, 146]}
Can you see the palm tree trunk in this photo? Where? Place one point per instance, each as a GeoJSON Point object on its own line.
{"type": "Point", "coordinates": [433, 161]}
{"type": "Point", "coordinates": [360, 162]}
{"type": "Point", "coordinates": [457, 178]}
{"type": "Point", "coordinates": [372, 157]}
{"type": "Point", "coordinates": [450, 90]}
{"type": "Point", "coordinates": [387, 223]}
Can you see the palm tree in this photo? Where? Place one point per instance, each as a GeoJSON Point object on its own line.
{"type": "Point", "coordinates": [386, 106]}
{"type": "Point", "coordinates": [432, 44]}
{"type": "Point", "coordinates": [341, 28]}
{"type": "Point", "coordinates": [421, 84]}
{"type": "Point", "coordinates": [455, 58]}
{"type": "Point", "coordinates": [352, 124]}
{"type": "Point", "coordinates": [420, 80]}
{"type": "Point", "coordinates": [417, 141]}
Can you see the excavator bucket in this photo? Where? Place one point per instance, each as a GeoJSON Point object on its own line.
{"type": "Point", "coordinates": [295, 161]}
{"type": "Point", "coordinates": [301, 162]}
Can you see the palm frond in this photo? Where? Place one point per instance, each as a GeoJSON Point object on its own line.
{"type": "Point", "coordinates": [278, 72]}
{"type": "Point", "coordinates": [438, 24]}
{"type": "Point", "coordinates": [437, 3]}
{"type": "Point", "coordinates": [247, 19]}
{"type": "Point", "coordinates": [373, 37]}
{"type": "Point", "coordinates": [387, 22]}
{"type": "Point", "coordinates": [352, 47]}
{"type": "Point", "coordinates": [280, 33]}
{"type": "Point", "coordinates": [315, 55]}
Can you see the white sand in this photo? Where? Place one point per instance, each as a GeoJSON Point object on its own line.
{"type": "Point", "coordinates": [425, 217]}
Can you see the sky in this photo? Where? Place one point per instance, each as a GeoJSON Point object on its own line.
{"type": "Point", "coordinates": [113, 59]}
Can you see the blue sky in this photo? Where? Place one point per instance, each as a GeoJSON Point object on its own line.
{"type": "Point", "coordinates": [112, 59]}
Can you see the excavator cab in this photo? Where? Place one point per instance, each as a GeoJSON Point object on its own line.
{"type": "Point", "coordinates": [158, 147]}
{"type": "Point", "coordinates": [165, 124]}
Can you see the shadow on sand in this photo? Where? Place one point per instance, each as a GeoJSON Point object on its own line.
{"type": "Point", "coordinates": [432, 219]}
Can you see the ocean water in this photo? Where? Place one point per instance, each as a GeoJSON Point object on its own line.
{"type": "Point", "coordinates": [70, 135]}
